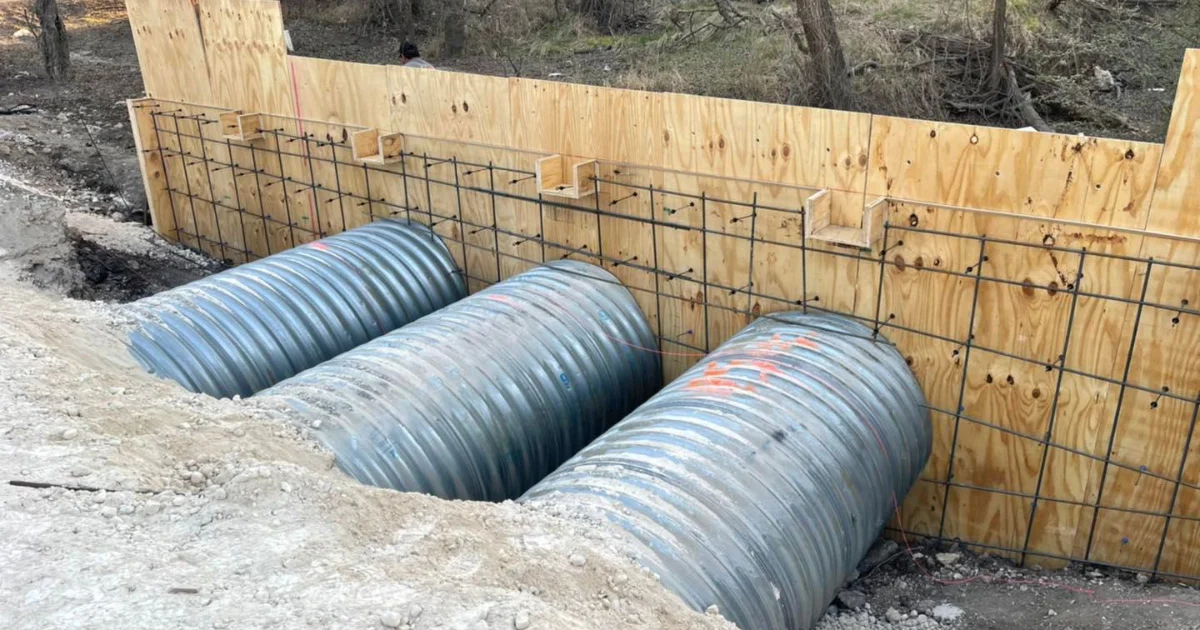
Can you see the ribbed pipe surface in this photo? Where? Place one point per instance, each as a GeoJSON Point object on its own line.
{"type": "Point", "coordinates": [247, 328]}
{"type": "Point", "coordinates": [758, 479]}
{"type": "Point", "coordinates": [485, 397]}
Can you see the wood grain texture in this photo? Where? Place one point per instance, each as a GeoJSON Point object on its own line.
{"type": "Point", "coordinates": [150, 161]}
{"type": "Point", "coordinates": [1177, 187]}
{"type": "Point", "coordinates": [170, 50]}
{"type": "Point", "coordinates": [247, 57]}
{"type": "Point", "coordinates": [353, 94]}
{"type": "Point", "coordinates": [1092, 180]}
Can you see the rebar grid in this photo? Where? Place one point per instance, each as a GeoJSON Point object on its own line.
{"type": "Point", "coordinates": [289, 159]}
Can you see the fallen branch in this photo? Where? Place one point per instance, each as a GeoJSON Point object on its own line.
{"type": "Point", "coordinates": [17, 109]}
{"type": "Point", "coordinates": [42, 485]}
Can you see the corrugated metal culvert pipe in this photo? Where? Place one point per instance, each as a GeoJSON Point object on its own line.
{"type": "Point", "coordinates": [487, 396]}
{"type": "Point", "coordinates": [250, 327]}
{"type": "Point", "coordinates": [758, 479]}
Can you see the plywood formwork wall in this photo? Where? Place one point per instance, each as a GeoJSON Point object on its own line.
{"type": "Point", "coordinates": [1014, 271]}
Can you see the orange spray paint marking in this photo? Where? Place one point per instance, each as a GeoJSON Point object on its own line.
{"type": "Point", "coordinates": [719, 385]}
{"type": "Point", "coordinates": [767, 369]}
{"type": "Point", "coordinates": [804, 343]}
{"type": "Point", "coordinates": [714, 369]}
{"type": "Point", "coordinates": [319, 246]}
{"type": "Point", "coordinates": [498, 298]}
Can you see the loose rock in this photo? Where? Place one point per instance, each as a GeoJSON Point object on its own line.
{"type": "Point", "coordinates": [948, 559]}
{"type": "Point", "coordinates": [852, 600]}
{"type": "Point", "coordinates": [946, 612]}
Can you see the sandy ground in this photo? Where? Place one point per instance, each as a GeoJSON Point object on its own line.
{"type": "Point", "coordinates": [217, 516]}
{"type": "Point", "coordinates": [214, 515]}
{"type": "Point", "coordinates": [191, 512]}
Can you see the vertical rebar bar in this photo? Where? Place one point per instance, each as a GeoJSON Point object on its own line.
{"type": "Point", "coordinates": [212, 193]}
{"type": "Point", "coordinates": [1062, 361]}
{"type": "Point", "coordinates": [704, 269]}
{"type": "Point", "coordinates": [1187, 447]}
{"type": "Point", "coordinates": [337, 181]}
{"type": "Point", "coordinates": [883, 247]}
{"type": "Point", "coordinates": [1112, 436]}
{"type": "Point", "coordinates": [657, 269]}
{"type": "Point", "coordinates": [187, 180]}
{"type": "Point", "coordinates": [262, 208]}
{"type": "Point", "coordinates": [166, 175]}
{"type": "Point", "coordinates": [283, 179]}
{"type": "Point", "coordinates": [962, 385]}
{"type": "Point", "coordinates": [237, 198]}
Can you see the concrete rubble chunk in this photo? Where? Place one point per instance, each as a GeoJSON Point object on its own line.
{"type": "Point", "coordinates": [946, 612]}
{"type": "Point", "coordinates": [948, 559]}
{"type": "Point", "coordinates": [852, 600]}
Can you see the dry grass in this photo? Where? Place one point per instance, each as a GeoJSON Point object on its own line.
{"type": "Point", "coordinates": [685, 46]}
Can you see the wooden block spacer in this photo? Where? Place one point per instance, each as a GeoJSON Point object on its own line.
{"type": "Point", "coordinates": [563, 176]}
{"type": "Point", "coordinates": [819, 226]}
{"type": "Point", "coordinates": [242, 127]}
{"type": "Point", "coordinates": [373, 147]}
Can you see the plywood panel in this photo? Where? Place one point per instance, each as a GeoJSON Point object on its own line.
{"type": "Point", "coordinates": [283, 180]}
{"type": "Point", "coordinates": [247, 58]}
{"type": "Point", "coordinates": [450, 105]}
{"type": "Point", "coordinates": [544, 111]}
{"type": "Point", "coordinates": [1018, 316]}
{"type": "Point", "coordinates": [150, 161]}
{"type": "Point", "coordinates": [345, 97]}
{"type": "Point", "coordinates": [1178, 187]}
{"type": "Point", "coordinates": [977, 167]}
{"type": "Point", "coordinates": [1181, 553]}
{"type": "Point", "coordinates": [1121, 179]}
{"type": "Point", "coordinates": [170, 50]}
{"type": "Point", "coordinates": [353, 94]}
{"type": "Point", "coordinates": [628, 127]}
{"type": "Point", "coordinates": [222, 188]}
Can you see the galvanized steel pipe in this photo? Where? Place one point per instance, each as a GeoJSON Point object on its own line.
{"type": "Point", "coordinates": [758, 479]}
{"type": "Point", "coordinates": [245, 329]}
{"type": "Point", "coordinates": [485, 397]}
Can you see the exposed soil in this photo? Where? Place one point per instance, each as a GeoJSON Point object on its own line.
{"type": "Point", "coordinates": [111, 275]}
{"type": "Point", "coordinates": [991, 593]}
{"type": "Point", "coordinates": [191, 512]}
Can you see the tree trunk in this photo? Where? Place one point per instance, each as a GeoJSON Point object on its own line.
{"type": "Point", "coordinates": [454, 29]}
{"type": "Point", "coordinates": [52, 39]}
{"type": "Point", "coordinates": [999, 34]}
{"type": "Point", "coordinates": [829, 64]}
